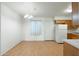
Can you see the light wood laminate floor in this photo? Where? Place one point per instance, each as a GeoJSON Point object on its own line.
{"type": "Point", "coordinates": [36, 48]}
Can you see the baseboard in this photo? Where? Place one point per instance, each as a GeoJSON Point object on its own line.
{"type": "Point", "coordinates": [33, 40]}
{"type": "Point", "coordinates": [2, 53]}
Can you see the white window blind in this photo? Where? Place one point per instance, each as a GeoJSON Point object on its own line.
{"type": "Point", "coordinates": [36, 27]}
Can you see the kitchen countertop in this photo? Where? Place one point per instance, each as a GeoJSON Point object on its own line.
{"type": "Point", "coordinates": [74, 43]}
{"type": "Point", "coordinates": [73, 32]}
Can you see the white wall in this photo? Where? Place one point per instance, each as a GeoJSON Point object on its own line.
{"type": "Point", "coordinates": [0, 28]}
{"type": "Point", "coordinates": [10, 28]}
{"type": "Point", "coordinates": [27, 32]}
{"type": "Point", "coordinates": [49, 28]}
{"type": "Point", "coordinates": [47, 33]}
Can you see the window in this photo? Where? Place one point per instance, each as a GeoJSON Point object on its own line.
{"type": "Point", "coordinates": [36, 27]}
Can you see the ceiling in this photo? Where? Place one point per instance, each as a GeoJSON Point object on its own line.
{"type": "Point", "coordinates": [42, 9]}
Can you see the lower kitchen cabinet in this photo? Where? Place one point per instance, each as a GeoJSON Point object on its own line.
{"type": "Point", "coordinates": [72, 36]}
{"type": "Point", "coordinates": [70, 50]}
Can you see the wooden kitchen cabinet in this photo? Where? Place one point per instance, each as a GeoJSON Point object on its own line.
{"type": "Point", "coordinates": [75, 13]}
{"type": "Point", "coordinates": [60, 22]}
{"type": "Point", "coordinates": [68, 22]}
{"type": "Point", "coordinates": [72, 36]}
{"type": "Point", "coordinates": [70, 50]}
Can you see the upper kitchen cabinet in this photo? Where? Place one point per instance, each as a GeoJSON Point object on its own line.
{"type": "Point", "coordinates": [75, 13]}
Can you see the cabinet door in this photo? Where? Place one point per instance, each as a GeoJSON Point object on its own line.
{"type": "Point", "coordinates": [78, 13]}
{"type": "Point", "coordinates": [72, 36]}
{"type": "Point", "coordinates": [75, 12]}
{"type": "Point", "coordinates": [69, 50]}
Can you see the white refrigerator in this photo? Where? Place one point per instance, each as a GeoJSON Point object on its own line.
{"type": "Point", "coordinates": [60, 33]}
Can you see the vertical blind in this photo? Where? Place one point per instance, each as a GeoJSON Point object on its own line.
{"type": "Point", "coordinates": [36, 28]}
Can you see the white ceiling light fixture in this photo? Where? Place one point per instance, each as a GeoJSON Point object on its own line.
{"type": "Point", "coordinates": [69, 9]}
{"type": "Point", "coordinates": [26, 16]}
{"type": "Point", "coordinates": [30, 17]}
